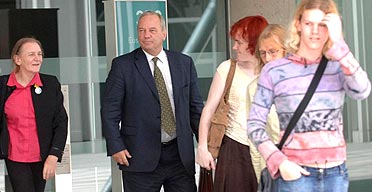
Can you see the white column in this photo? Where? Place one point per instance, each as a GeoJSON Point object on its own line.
{"type": "Point", "coordinates": [111, 49]}
{"type": "Point", "coordinates": [63, 177]}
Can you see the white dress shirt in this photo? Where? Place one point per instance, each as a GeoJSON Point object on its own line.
{"type": "Point", "coordinates": [163, 65]}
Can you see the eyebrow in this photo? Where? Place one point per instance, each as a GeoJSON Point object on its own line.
{"type": "Point", "coordinates": [28, 52]}
{"type": "Point", "coordinates": [275, 48]}
{"type": "Point", "coordinates": [34, 51]}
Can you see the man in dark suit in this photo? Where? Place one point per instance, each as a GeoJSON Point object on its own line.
{"type": "Point", "coordinates": [158, 103]}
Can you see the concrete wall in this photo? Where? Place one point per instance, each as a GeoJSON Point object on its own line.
{"type": "Point", "coordinates": [275, 11]}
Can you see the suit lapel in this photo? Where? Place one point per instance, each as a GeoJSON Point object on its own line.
{"type": "Point", "coordinates": [144, 70]}
{"type": "Point", "coordinates": [38, 99]}
{"type": "Point", "coordinates": [176, 75]}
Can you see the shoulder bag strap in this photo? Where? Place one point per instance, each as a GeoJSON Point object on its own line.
{"type": "Point", "coordinates": [229, 79]}
{"type": "Point", "coordinates": [301, 108]}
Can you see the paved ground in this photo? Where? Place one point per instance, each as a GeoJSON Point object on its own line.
{"type": "Point", "coordinates": [91, 171]}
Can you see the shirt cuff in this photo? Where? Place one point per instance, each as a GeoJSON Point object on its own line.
{"type": "Point", "coordinates": [56, 152]}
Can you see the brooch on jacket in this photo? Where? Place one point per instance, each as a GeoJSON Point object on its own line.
{"type": "Point", "coordinates": [37, 89]}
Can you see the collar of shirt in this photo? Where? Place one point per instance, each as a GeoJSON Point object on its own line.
{"type": "Point", "coordinates": [13, 81]}
{"type": "Point", "coordinates": [302, 60]}
{"type": "Point", "coordinates": [162, 62]}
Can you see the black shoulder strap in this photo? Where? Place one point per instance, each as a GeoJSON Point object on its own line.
{"type": "Point", "coordinates": [301, 107]}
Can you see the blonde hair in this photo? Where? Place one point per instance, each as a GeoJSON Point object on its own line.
{"type": "Point", "coordinates": [272, 31]}
{"type": "Point", "coordinates": [293, 41]}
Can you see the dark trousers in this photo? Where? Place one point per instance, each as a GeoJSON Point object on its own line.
{"type": "Point", "coordinates": [26, 176]}
{"type": "Point", "coordinates": [170, 173]}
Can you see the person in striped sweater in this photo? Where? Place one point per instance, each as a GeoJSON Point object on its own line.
{"type": "Point", "coordinates": [313, 157]}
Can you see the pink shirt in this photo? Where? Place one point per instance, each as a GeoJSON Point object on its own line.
{"type": "Point", "coordinates": [20, 116]}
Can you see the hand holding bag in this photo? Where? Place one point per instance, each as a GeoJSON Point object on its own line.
{"type": "Point", "coordinates": [267, 183]}
{"type": "Point", "coordinates": [219, 119]}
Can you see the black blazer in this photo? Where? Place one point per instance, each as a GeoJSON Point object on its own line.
{"type": "Point", "coordinates": [131, 98]}
{"type": "Point", "coordinates": [50, 114]}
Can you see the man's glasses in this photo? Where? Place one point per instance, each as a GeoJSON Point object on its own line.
{"type": "Point", "coordinates": [271, 52]}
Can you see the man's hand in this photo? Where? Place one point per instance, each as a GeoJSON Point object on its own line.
{"type": "Point", "coordinates": [121, 157]}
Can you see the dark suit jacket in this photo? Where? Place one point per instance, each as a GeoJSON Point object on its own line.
{"type": "Point", "coordinates": [131, 98]}
{"type": "Point", "coordinates": [50, 114]}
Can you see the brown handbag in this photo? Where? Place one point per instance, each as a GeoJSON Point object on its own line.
{"type": "Point", "coordinates": [205, 180]}
{"type": "Point", "coordinates": [219, 119]}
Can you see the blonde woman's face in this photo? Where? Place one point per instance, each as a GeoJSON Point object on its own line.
{"type": "Point", "coordinates": [270, 50]}
{"type": "Point", "coordinates": [314, 33]}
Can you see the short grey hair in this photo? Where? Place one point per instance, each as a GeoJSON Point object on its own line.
{"type": "Point", "coordinates": [162, 21]}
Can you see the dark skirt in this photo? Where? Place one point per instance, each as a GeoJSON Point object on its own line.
{"type": "Point", "coordinates": [234, 171]}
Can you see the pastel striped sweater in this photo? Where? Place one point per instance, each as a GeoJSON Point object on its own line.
{"type": "Point", "coordinates": [318, 136]}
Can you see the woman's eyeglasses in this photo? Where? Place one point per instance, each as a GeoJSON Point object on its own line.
{"type": "Point", "coordinates": [271, 52]}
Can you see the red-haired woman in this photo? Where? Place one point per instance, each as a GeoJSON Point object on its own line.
{"type": "Point", "coordinates": [234, 170]}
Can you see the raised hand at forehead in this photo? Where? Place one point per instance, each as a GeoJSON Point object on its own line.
{"type": "Point", "coordinates": [334, 25]}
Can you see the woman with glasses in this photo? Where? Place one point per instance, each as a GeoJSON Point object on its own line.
{"type": "Point", "coordinates": [270, 46]}
{"type": "Point", "coordinates": [313, 157]}
{"type": "Point", "coordinates": [234, 169]}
